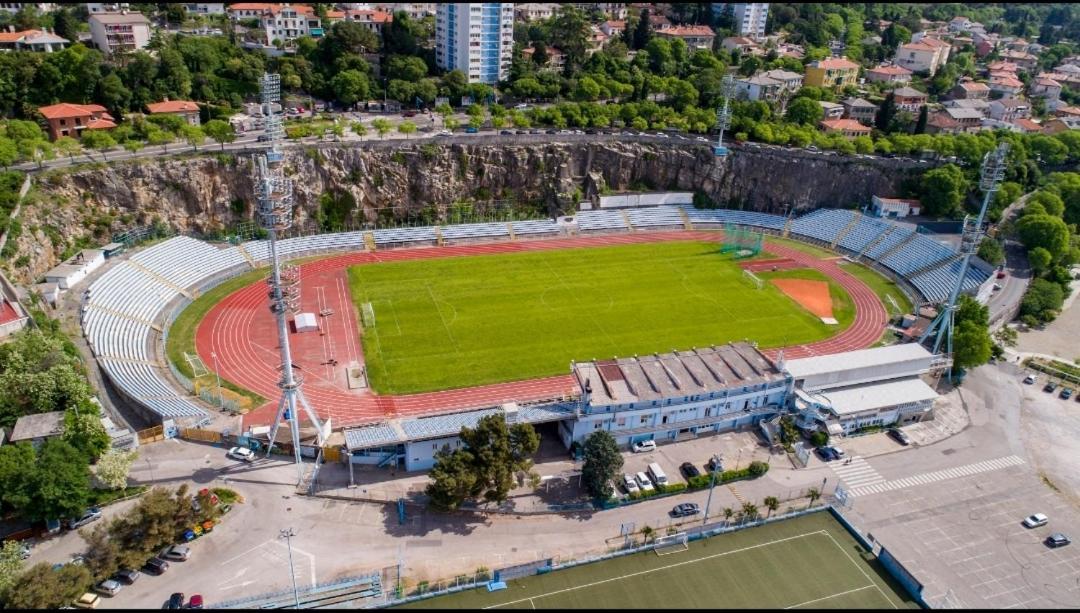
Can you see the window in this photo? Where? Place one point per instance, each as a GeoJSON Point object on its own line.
{"type": "Point", "coordinates": [644, 419]}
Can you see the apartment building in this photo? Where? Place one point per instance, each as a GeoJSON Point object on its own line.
{"type": "Point", "coordinates": [475, 38]}
{"type": "Point", "coordinates": [113, 32]}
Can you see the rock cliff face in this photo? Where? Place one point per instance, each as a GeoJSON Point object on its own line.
{"type": "Point", "coordinates": [213, 192]}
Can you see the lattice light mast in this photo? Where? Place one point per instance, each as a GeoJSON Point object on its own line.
{"type": "Point", "coordinates": [274, 202]}
{"type": "Point", "coordinates": [993, 172]}
{"type": "Point", "coordinates": [723, 114]}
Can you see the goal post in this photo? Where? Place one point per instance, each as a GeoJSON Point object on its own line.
{"type": "Point", "coordinates": [671, 543]}
{"type": "Point", "coordinates": [753, 279]}
{"type": "Point", "coordinates": [367, 315]}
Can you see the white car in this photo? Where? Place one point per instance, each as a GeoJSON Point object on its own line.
{"type": "Point", "coordinates": [109, 587]}
{"type": "Point", "coordinates": [839, 451]}
{"type": "Point", "coordinates": [241, 453]}
{"type": "Point", "coordinates": [644, 482]}
{"type": "Point", "coordinates": [631, 485]}
{"type": "Point", "coordinates": [1030, 379]}
{"type": "Point", "coordinates": [644, 446]}
{"type": "Point", "coordinates": [1036, 520]}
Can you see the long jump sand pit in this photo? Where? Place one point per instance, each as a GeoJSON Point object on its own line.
{"type": "Point", "coordinates": [812, 295]}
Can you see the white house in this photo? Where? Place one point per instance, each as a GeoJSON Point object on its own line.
{"type": "Point", "coordinates": [894, 207]}
{"type": "Point", "coordinates": [113, 32]}
{"type": "Point", "coordinates": [68, 274]}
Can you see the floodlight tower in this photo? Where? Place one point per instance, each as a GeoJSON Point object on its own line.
{"type": "Point", "coordinates": [274, 202]}
{"type": "Point", "coordinates": [991, 175]}
{"type": "Point", "coordinates": [723, 114]}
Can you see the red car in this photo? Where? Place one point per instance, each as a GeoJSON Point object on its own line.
{"type": "Point", "coordinates": [195, 602]}
{"type": "Point", "coordinates": [1001, 274]}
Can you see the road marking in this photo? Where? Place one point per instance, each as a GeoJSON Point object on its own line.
{"type": "Point", "coordinates": [935, 476]}
{"type": "Point", "coordinates": [858, 589]}
{"type": "Point", "coordinates": [857, 474]}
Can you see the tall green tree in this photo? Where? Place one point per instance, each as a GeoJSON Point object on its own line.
{"type": "Point", "coordinates": [602, 463]}
{"type": "Point", "coordinates": [804, 111]}
{"type": "Point", "coordinates": [943, 190]}
{"type": "Point", "coordinates": [642, 32]}
{"type": "Point", "coordinates": [60, 483]}
{"type": "Point", "coordinates": [886, 113]}
{"type": "Point", "coordinates": [41, 587]}
{"type": "Point", "coordinates": [220, 131]}
{"type": "Point", "coordinates": [920, 124]}
{"type": "Point", "coordinates": [1044, 231]}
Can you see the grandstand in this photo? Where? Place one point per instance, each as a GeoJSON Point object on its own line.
{"type": "Point", "coordinates": [128, 309]}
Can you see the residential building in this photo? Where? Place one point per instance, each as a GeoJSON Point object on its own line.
{"type": "Point", "coordinates": [536, 11]}
{"type": "Point", "coordinates": [67, 119]}
{"type": "Point", "coordinates": [1067, 111]}
{"type": "Point", "coordinates": [288, 22]}
{"type": "Point", "coordinates": [184, 109]}
{"type": "Point", "coordinates": [415, 10]}
{"type": "Point", "coordinates": [15, 7]}
{"type": "Point", "coordinates": [613, 27]}
{"type": "Point", "coordinates": [748, 19]}
{"type": "Point", "coordinates": [696, 37]}
{"type": "Point", "coordinates": [832, 73]}
{"type": "Point", "coordinates": [41, 41]}
{"type": "Point", "coordinates": [1006, 85]}
{"type": "Point", "coordinates": [97, 8]}
{"type": "Point", "coordinates": [967, 89]}
{"type": "Point", "coordinates": [1009, 109]}
{"type": "Point", "coordinates": [1002, 67]}
{"type": "Point", "coordinates": [791, 80]}
{"type": "Point", "coordinates": [954, 120]}
{"type": "Point", "coordinates": [960, 24]}
{"type": "Point", "coordinates": [831, 110]}
{"type": "Point", "coordinates": [847, 127]}
{"type": "Point", "coordinates": [894, 207]}
{"type": "Point", "coordinates": [556, 58]}
{"type": "Point", "coordinates": [1024, 60]}
{"type": "Point", "coordinates": [860, 110]}
{"type": "Point", "coordinates": [376, 21]}
{"type": "Point", "coordinates": [759, 87]}
{"type": "Point", "coordinates": [38, 428]}
{"type": "Point", "coordinates": [909, 99]}
{"type": "Point", "coordinates": [205, 8]}
{"type": "Point", "coordinates": [791, 50]}
{"type": "Point", "coordinates": [248, 10]}
{"type": "Point", "coordinates": [1044, 86]}
{"type": "Point", "coordinates": [1028, 126]}
{"type": "Point", "coordinates": [846, 392]}
{"type": "Point", "coordinates": [112, 32]}
{"type": "Point", "coordinates": [926, 55]}
{"type": "Point", "coordinates": [597, 39]}
{"type": "Point", "coordinates": [888, 73]}
{"type": "Point", "coordinates": [476, 38]}
{"type": "Point", "coordinates": [743, 44]}
{"type": "Point", "coordinates": [982, 105]}
{"type": "Point", "coordinates": [1060, 124]}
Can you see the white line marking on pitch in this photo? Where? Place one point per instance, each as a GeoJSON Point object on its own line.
{"type": "Point", "coordinates": [858, 589]}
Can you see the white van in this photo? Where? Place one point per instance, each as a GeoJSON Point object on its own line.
{"type": "Point", "coordinates": [657, 474]}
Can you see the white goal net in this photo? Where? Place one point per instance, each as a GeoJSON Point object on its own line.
{"type": "Point", "coordinates": [672, 543]}
{"type": "Point", "coordinates": [753, 279]}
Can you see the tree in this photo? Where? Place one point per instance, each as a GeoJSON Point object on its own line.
{"type": "Point", "coordinates": [358, 129]}
{"type": "Point", "coordinates": [991, 251]}
{"type": "Point", "coordinates": [112, 468]}
{"type": "Point", "coordinates": [642, 32]}
{"type": "Point", "coordinates": [220, 131]}
{"type": "Point", "coordinates": [350, 87]}
{"type": "Point", "coordinates": [407, 128]}
{"type": "Point", "coordinates": [943, 191]}
{"type": "Point", "coordinates": [1042, 301]}
{"type": "Point", "coordinates": [602, 463]}
{"type": "Point", "coordinates": [17, 469]}
{"type": "Point", "coordinates": [819, 438]}
{"type": "Point", "coordinates": [41, 587]}
{"type": "Point", "coordinates": [804, 111]}
{"type": "Point", "coordinates": [193, 135]}
{"type": "Point", "coordinates": [1044, 231]}
{"type": "Point", "coordinates": [381, 125]}
{"type": "Point", "coordinates": [98, 139]}
{"type": "Point", "coordinates": [885, 114]}
{"type": "Point", "coordinates": [159, 137]}
{"type": "Point", "coordinates": [65, 25]}
{"type": "Point", "coordinates": [60, 484]}
{"type": "Point", "coordinates": [728, 513]}
{"type": "Point", "coordinates": [749, 65]}
{"type": "Point", "coordinates": [749, 511]}
{"type": "Point", "coordinates": [920, 125]}
{"type": "Point", "coordinates": [102, 556]}
{"type": "Point", "coordinates": [772, 503]}
{"type": "Point", "coordinates": [84, 431]}
{"type": "Point", "coordinates": [452, 479]}
{"type": "Point", "coordinates": [1040, 260]}
{"type": "Point", "coordinates": [813, 494]}
{"type": "Point", "coordinates": [1051, 203]}
{"type": "Point", "coordinates": [971, 345]}
{"type": "Point", "coordinates": [9, 152]}
{"type": "Point", "coordinates": [11, 566]}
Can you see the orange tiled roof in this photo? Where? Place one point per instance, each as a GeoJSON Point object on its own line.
{"type": "Point", "coordinates": [836, 62]}
{"type": "Point", "coordinates": [687, 31]}
{"type": "Point", "coordinates": [101, 124]}
{"type": "Point", "coordinates": [173, 106]}
{"type": "Point", "coordinates": [844, 124]}
{"type": "Point", "coordinates": [66, 110]}
{"type": "Point", "coordinates": [1027, 124]}
{"type": "Point", "coordinates": [890, 70]}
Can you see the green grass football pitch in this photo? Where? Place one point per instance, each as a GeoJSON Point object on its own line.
{"type": "Point", "coordinates": [807, 562]}
{"type": "Point", "coordinates": [466, 321]}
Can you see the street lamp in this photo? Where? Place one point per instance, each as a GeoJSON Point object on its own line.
{"type": "Point", "coordinates": [712, 483]}
{"type": "Point", "coordinates": [287, 534]}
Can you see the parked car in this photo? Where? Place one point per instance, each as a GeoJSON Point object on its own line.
{"type": "Point", "coordinates": [1050, 387]}
{"type": "Point", "coordinates": [715, 463]}
{"type": "Point", "coordinates": [1031, 378]}
{"type": "Point", "coordinates": [644, 483]}
{"type": "Point", "coordinates": [900, 436]}
{"type": "Point", "coordinates": [689, 470]}
{"type": "Point", "coordinates": [1066, 393]}
{"type": "Point", "coordinates": [1057, 539]}
{"type": "Point", "coordinates": [827, 454]}
{"type": "Point", "coordinates": [177, 552]}
{"type": "Point", "coordinates": [505, 132]}
{"type": "Point", "coordinates": [88, 600]}
{"type": "Point", "coordinates": [196, 602]}
{"type": "Point", "coordinates": [630, 484]}
{"type": "Point", "coordinates": [685, 509]}
{"type": "Point", "coordinates": [156, 566]}
{"type": "Point", "coordinates": [176, 601]}
{"type": "Point", "coordinates": [92, 514]}
{"type": "Point", "coordinates": [1036, 520]}
{"type": "Point", "coordinates": [1000, 274]}
{"type": "Point", "coordinates": [263, 138]}
{"type": "Point", "coordinates": [471, 130]}
{"type": "Point", "coordinates": [109, 587]}
{"type": "Point", "coordinates": [839, 452]}
{"type": "Point", "coordinates": [644, 446]}
{"type": "Point", "coordinates": [127, 576]}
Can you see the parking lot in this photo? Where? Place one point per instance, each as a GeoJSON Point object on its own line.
{"type": "Point", "coordinates": [736, 449]}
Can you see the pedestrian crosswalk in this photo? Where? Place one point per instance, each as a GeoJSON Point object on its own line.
{"type": "Point", "coordinates": [856, 473]}
{"type": "Point", "coordinates": [882, 485]}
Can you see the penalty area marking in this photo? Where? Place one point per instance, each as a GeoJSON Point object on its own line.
{"type": "Point", "coordinates": [669, 566]}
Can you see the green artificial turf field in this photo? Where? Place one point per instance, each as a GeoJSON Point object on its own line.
{"type": "Point", "coordinates": [465, 321]}
{"type": "Point", "coordinates": [806, 562]}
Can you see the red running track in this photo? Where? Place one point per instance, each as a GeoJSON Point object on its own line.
{"type": "Point", "coordinates": [242, 332]}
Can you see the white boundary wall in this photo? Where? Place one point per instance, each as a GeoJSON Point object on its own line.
{"type": "Point", "coordinates": [636, 200]}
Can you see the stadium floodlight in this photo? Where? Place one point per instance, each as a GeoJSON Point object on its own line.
{"type": "Point", "coordinates": [991, 175]}
{"type": "Point", "coordinates": [723, 114]}
{"type": "Point", "coordinates": [274, 205]}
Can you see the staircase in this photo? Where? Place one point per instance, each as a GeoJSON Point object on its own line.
{"type": "Point", "coordinates": [247, 256]}
{"type": "Point", "coordinates": [877, 239]}
{"type": "Point", "coordinates": [161, 279]}
{"type": "Point", "coordinates": [897, 247]}
{"type": "Point", "coordinates": [686, 219]}
{"type": "Point", "coordinates": [626, 220]}
{"type": "Point", "coordinates": [510, 229]}
{"type": "Point", "coordinates": [934, 266]}
{"type": "Point", "coordinates": [787, 226]}
{"type": "Point", "coordinates": [369, 241]}
{"type": "Point", "coordinates": [844, 232]}
{"type": "Point", "coordinates": [438, 236]}
{"type": "Point", "coordinates": [124, 315]}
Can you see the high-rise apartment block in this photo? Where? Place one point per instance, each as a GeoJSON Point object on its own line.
{"type": "Point", "coordinates": [476, 38]}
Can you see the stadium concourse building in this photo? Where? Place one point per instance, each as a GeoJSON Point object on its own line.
{"type": "Point", "coordinates": [660, 397]}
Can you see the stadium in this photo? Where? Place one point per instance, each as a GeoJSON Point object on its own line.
{"type": "Point", "coordinates": [409, 323]}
